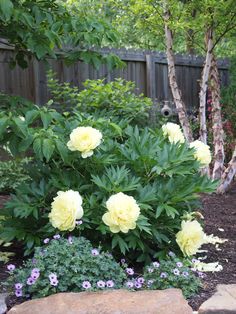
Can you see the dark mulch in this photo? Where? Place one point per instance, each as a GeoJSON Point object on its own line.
{"type": "Point", "coordinates": [220, 213]}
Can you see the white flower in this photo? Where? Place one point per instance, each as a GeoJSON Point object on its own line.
{"type": "Point", "coordinates": [85, 140]}
{"type": "Point", "coordinates": [202, 152]}
{"type": "Point", "coordinates": [173, 132]}
{"type": "Point", "coordinates": [66, 208]}
{"type": "Point", "coordinates": [123, 212]}
{"type": "Point", "coordinates": [190, 238]}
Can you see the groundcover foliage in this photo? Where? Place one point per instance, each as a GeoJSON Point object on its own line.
{"type": "Point", "coordinates": [67, 265]}
{"type": "Point", "coordinates": [162, 177]}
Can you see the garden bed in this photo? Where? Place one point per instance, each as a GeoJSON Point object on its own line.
{"type": "Point", "coordinates": [220, 218]}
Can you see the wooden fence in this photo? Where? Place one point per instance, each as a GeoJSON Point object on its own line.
{"type": "Point", "coordinates": [147, 69]}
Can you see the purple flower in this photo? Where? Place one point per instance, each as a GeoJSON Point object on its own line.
{"type": "Point", "coordinates": [86, 284]}
{"type": "Point", "coordinates": [11, 267]}
{"type": "Point", "coordinates": [18, 286]}
{"type": "Point", "coordinates": [54, 282]}
{"type": "Point", "coordinates": [70, 240]}
{"type": "Point", "coordinates": [150, 270]}
{"type": "Point", "coordinates": [176, 271]}
{"type": "Point", "coordinates": [140, 280]}
{"type": "Point", "coordinates": [138, 285]}
{"type": "Point", "coordinates": [101, 284]}
{"type": "Point", "coordinates": [171, 254]}
{"type": "Point", "coordinates": [18, 293]}
{"type": "Point", "coordinates": [179, 264]}
{"type": "Point", "coordinates": [56, 236]}
{"type": "Point", "coordinates": [129, 284]}
{"type": "Point", "coordinates": [30, 281]}
{"type": "Point", "coordinates": [185, 274]}
{"type": "Point", "coordinates": [35, 271]}
{"type": "Point", "coordinates": [194, 261]}
{"type": "Point", "coordinates": [52, 276]}
{"type": "Point", "coordinates": [163, 275]}
{"type": "Point", "coordinates": [95, 252]}
{"type": "Point", "coordinates": [110, 283]}
{"type": "Point", "coordinates": [150, 282]}
{"type": "Point", "coordinates": [201, 275]}
{"type": "Point", "coordinates": [129, 271]}
{"type": "Point", "coordinates": [122, 261]}
{"type": "Point", "coordinates": [79, 222]}
{"type": "Point", "coordinates": [156, 264]}
{"type": "Point", "coordinates": [45, 241]}
{"type": "Point", "coordinates": [35, 276]}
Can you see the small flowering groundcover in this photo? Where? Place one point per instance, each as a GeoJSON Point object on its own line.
{"type": "Point", "coordinates": [65, 265]}
{"type": "Point", "coordinates": [73, 265]}
{"type": "Point", "coordinates": [173, 273]}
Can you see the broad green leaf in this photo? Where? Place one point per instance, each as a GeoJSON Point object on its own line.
{"type": "Point", "coordinates": [6, 7]}
{"type": "Point", "coordinates": [48, 148]}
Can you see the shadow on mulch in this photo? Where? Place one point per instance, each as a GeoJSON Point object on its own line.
{"type": "Point", "coordinates": [220, 213]}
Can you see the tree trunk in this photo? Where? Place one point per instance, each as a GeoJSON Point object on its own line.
{"type": "Point", "coordinates": [203, 86]}
{"type": "Point", "coordinates": [218, 132]}
{"type": "Point", "coordinates": [180, 106]}
{"type": "Point", "coordinates": [228, 174]}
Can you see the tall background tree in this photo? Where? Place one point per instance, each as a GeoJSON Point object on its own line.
{"type": "Point", "coordinates": [55, 29]}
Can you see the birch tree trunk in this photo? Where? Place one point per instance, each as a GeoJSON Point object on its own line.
{"type": "Point", "coordinates": [180, 106]}
{"type": "Point", "coordinates": [203, 86]}
{"type": "Point", "coordinates": [218, 132]}
{"type": "Point", "coordinates": [228, 174]}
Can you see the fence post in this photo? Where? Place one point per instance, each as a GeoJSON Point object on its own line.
{"type": "Point", "coordinates": [151, 86]}
{"type": "Point", "coordinates": [150, 76]}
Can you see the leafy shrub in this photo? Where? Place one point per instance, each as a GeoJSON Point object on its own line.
{"type": "Point", "coordinates": [162, 177]}
{"type": "Point", "coordinates": [66, 265]}
{"type": "Point", "coordinates": [113, 99]}
{"type": "Point", "coordinates": [13, 174]}
{"type": "Point", "coordinates": [172, 273]}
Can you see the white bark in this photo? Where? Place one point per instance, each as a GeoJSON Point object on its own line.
{"type": "Point", "coordinates": [218, 132]}
{"type": "Point", "coordinates": [180, 106]}
{"type": "Point", "coordinates": [203, 86]}
{"type": "Point", "coordinates": [228, 174]}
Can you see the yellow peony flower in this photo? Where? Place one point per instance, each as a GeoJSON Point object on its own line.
{"type": "Point", "coordinates": [123, 212]}
{"type": "Point", "coordinates": [66, 208]}
{"type": "Point", "coordinates": [85, 140]}
{"type": "Point", "coordinates": [173, 132]}
{"type": "Point", "coordinates": [190, 237]}
{"type": "Point", "coordinates": [202, 152]}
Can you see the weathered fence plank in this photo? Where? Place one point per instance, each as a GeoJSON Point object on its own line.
{"type": "Point", "coordinates": [147, 69]}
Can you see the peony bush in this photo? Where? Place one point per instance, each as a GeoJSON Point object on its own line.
{"type": "Point", "coordinates": [127, 188]}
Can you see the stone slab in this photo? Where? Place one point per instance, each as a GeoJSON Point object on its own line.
{"type": "Point", "coordinates": [3, 306]}
{"type": "Point", "coordinates": [222, 302]}
{"type": "Point", "coordinates": [170, 301]}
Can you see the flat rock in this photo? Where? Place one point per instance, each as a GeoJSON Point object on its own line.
{"type": "Point", "coordinates": [3, 298]}
{"type": "Point", "coordinates": [170, 301]}
{"type": "Point", "coordinates": [222, 302]}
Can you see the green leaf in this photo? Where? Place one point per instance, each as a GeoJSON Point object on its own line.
{"type": "Point", "coordinates": [159, 210]}
{"type": "Point", "coordinates": [117, 240]}
{"type": "Point", "coordinates": [46, 119]}
{"type": "Point", "coordinates": [21, 126]}
{"type": "Point", "coordinates": [48, 148]}
{"type": "Point", "coordinates": [62, 150]}
{"type": "Point", "coordinates": [3, 125]}
{"type": "Point", "coordinates": [31, 116]}
{"type": "Point", "coordinates": [6, 7]}
{"type": "Point", "coordinates": [116, 127]}
{"type": "Point", "coordinates": [37, 147]}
